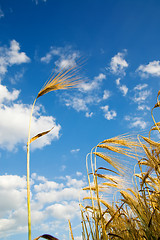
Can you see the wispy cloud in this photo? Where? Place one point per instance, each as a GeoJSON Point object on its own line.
{"type": "Point", "coordinates": [108, 114]}
{"type": "Point", "coordinates": [141, 96]}
{"type": "Point", "coordinates": [67, 56]}
{"type": "Point", "coordinates": [1, 13]}
{"type": "Point", "coordinates": [106, 94]}
{"type": "Point", "coordinates": [11, 56]}
{"type": "Point", "coordinates": [118, 64]}
{"type": "Point", "coordinates": [17, 76]}
{"type": "Point", "coordinates": [143, 107]}
{"type": "Point", "coordinates": [141, 93]}
{"type": "Point", "coordinates": [140, 86]}
{"type": "Point", "coordinates": [118, 81]}
{"type": "Point", "coordinates": [75, 150]}
{"type": "Point", "coordinates": [37, 1]}
{"type": "Point", "coordinates": [151, 69]}
{"type": "Point", "coordinates": [79, 174]}
{"type": "Point", "coordinates": [92, 85]}
{"type": "Point", "coordinates": [82, 102]}
{"type": "Point", "coordinates": [123, 88]}
{"type": "Point", "coordinates": [89, 114]}
{"type": "Point", "coordinates": [63, 167]}
{"type": "Point", "coordinates": [77, 102]}
{"type": "Point", "coordinates": [136, 122]}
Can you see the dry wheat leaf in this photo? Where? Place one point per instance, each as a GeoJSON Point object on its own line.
{"type": "Point", "coordinates": [39, 135]}
{"type": "Point", "coordinates": [158, 95]}
{"type": "Point", "coordinates": [47, 236]}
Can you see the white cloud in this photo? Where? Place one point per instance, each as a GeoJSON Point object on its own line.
{"type": "Point", "coordinates": [95, 84]}
{"type": "Point", "coordinates": [56, 196]}
{"type": "Point", "coordinates": [100, 77]}
{"type": "Point", "coordinates": [78, 174]}
{"type": "Point", "coordinates": [78, 238]}
{"type": "Point", "coordinates": [152, 68]}
{"type": "Point", "coordinates": [16, 77]}
{"type": "Point", "coordinates": [63, 205]}
{"type": "Point", "coordinates": [53, 52]}
{"type": "Point", "coordinates": [143, 107]}
{"type": "Point", "coordinates": [140, 86]}
{"type": "Point", "coordinates": [75, 150]}
{"type": "Point", "coordinates": [63, 167]}
{"type": "Point", "coordinates": [82, 101]}
{"type": "Point", "coordinates": [5, 95]}
{"type": "Point", "coordinates": [123, 89]}
{"type": "Point", "coordinates": [12, 181]}
{"type": "Point", "coordinates": [67, 61]}
{"type": "Point", "coordinates": [108, 114]}
{"type": "Point", "coordinates": [14, 122]}
{"type": "Point", "coordinates": [136, 122]}
{"type": "Point", "coordinates": [12, 55]}
{"type": "Point", "coordinates": [62, 211]}
{"type": "Point", "coordinates": [37, 1]}
{"type": "Point", "coordinates": [1, 13]}
{"type": "Point", "coordinates": [118, 64]}
{"type": "Point", "coordinates": [13, 197]}
{"type": "Point", "coordinates": [78, 103]}
{"type": "Point", "coordinates": [88, 115]}
{"type": "Point", "coordinates": [106, 94]}
{"type": "Point", "coordinates": [38, 178]}
{"type": "Point", "coordinates": [67, 57]}
{"type": "Point", "coordinates": [118, 81]}
{"type": "Point", "coordinates": [47, 186]}
{"type": "Point", "coordinates": [72, 182]}
{"type": "Point", "coordinates": [141, 95]}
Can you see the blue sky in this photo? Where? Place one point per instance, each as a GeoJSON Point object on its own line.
{"type": "Point", "coordinates": [119, 41]}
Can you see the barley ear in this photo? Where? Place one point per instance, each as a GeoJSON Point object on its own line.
{"type": "Point", "coordinates": [64, 79]}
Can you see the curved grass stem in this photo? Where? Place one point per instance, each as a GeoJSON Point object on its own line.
{"type": "Point", "coordinates": [28, 174]}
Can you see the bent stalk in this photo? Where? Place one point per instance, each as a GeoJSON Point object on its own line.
{"type": "Point", "coordinates": [28, 174]}
{"type": "Point", "coordinates": [64, 79]}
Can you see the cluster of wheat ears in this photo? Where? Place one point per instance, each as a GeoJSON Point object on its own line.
{"type": "Point", "coordinates": [136, 213]}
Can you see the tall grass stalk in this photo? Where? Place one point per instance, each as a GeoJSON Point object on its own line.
{"type": "Point", "coordinates": [64, 79]}
{"type": "Point", "coordinates": [28, 174]}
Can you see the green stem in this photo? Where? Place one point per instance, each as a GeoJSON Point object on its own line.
{"type": "Point", "coordinates": [28, 175]}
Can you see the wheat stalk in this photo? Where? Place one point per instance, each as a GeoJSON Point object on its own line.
{"type": "Point", "coordinates": [64, 79]}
